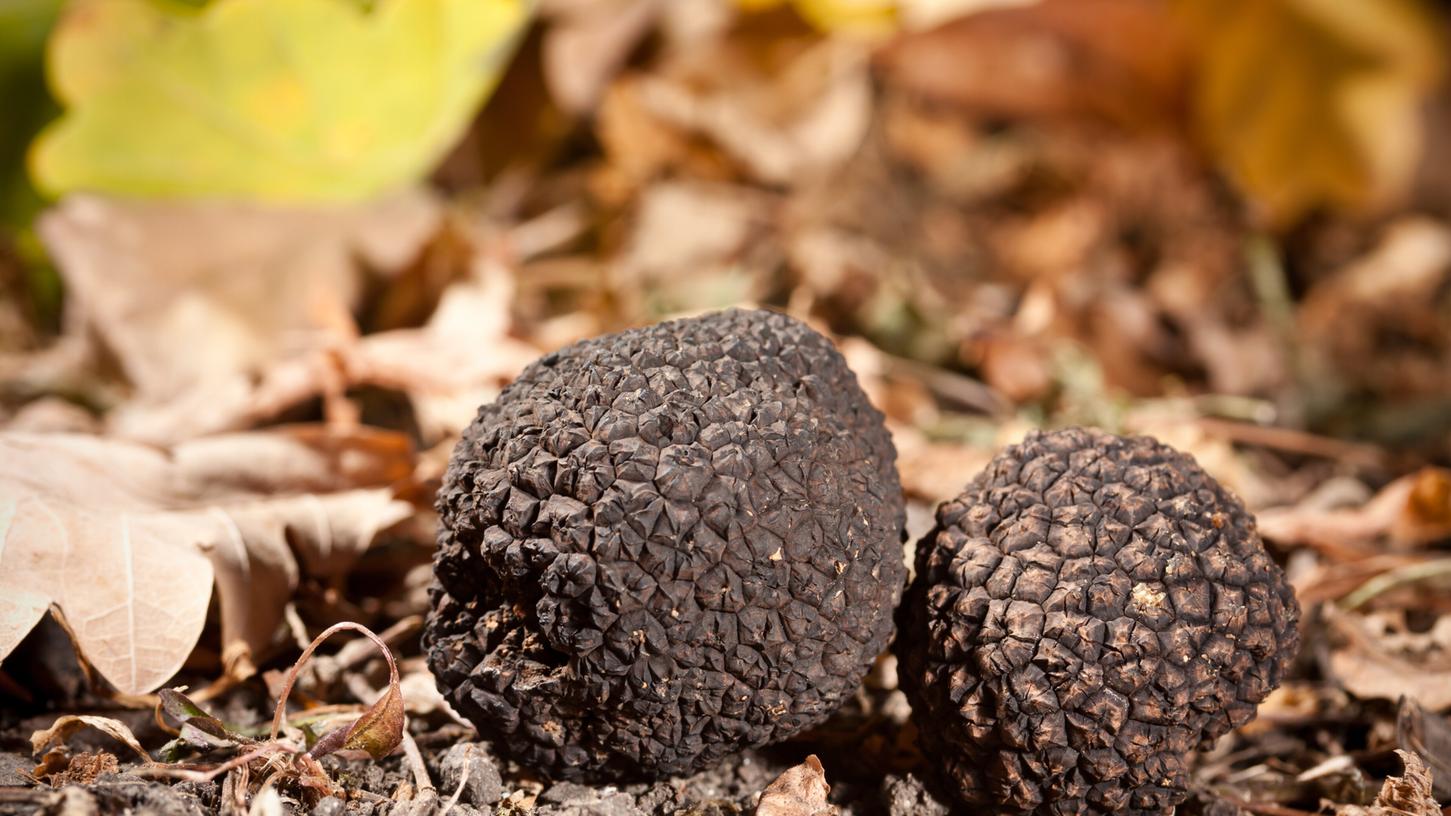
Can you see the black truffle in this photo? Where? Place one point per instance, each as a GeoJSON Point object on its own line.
{"type": "Point", "coordinates": [661, 546]}
{"type": "Point", "coordinates": [1088, 612]}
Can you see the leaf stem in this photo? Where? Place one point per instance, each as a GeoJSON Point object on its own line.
{"type": "Point", "coordinates": [277, 715]}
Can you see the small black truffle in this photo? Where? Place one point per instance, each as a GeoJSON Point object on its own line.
{"type": "Point", "coordinates": [665, 545]}
{"type": "Point", "coordinates": [1088, 612]}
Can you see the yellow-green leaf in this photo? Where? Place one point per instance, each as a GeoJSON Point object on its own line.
{"type": "Point", "coordinates": [275, 100]}
{"type": "Point", "coordinates": [1310, 103]}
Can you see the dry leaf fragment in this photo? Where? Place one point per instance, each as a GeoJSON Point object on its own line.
{"type": "Point", "coordinates": [796, 118]}
{"type": "Point", "coordinates": [1395, 289]}
{"type": "Point", "coordinates": [68, 724]}
{"type": "Point", "coordinates": [126, 540]}
{"type": "Point", "coordinates": [1429, 737]}
{"type": "Point", "coordinates": [132, 591]}
{"type": "Point", "coordinates": [1410, 512]}
{"type": "Point", "coordinates": [799, 791]}
{"type": "Point", "coordinates": [1406, 795]}
{"type": "Point", "coordinates": [460, 360]}
{"type": "Point", "coordinates": [1375, 662]}
{"type": "Point", "coordinates": [60, 768]}
{"type": "Point", "coordinates": [707, 228]}
{"type": "Point", "coordinates": [267, 803]}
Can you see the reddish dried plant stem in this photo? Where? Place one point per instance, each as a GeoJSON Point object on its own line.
{"type": "Point", "coordinates": [281, 710]}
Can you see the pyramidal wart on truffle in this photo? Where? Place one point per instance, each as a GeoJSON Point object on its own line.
{"type": "Point", "coordinates": [1091, 610]}
{"type": "Point", "coordinates": [661, 546]}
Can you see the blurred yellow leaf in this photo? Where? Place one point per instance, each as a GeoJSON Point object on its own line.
{"type": "Point", "coordinates": [277, 100]}
{"type": "Point", "coordinates": [880, 17]}
{"type": "Point", "coordinates": [1310, 103]}
{"type": "Point", "coordinates": [853, 16]}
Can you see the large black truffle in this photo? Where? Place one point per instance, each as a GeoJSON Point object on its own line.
{"type": "Point", "coordinates": [1088, 612]}
{"type": "Point", "coordinates": [661, 546]}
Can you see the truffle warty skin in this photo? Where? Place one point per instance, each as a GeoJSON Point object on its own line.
{"type": "Point", "coordinates": [1091, 610]}
{"type": "Point", "coordinates": [662, 546]}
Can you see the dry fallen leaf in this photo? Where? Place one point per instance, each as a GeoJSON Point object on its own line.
{"type": "Point", "coordinates": [1410, 512]}
{"type": "Point", "coordinates": [195, 299]}
{"type": "Point", "coordinates": [460, 360]}
{"type": "Point", "coordinates": [267, 803]}
{"type": "Point", "coordinates": [1397, 288]}
{"type": "Point", "coordinates": [791, 116]}
{"type": "Point", "coordinates": [126, 540]}
{"type": "Point", "coordinates": [1376, 663]}
{"type": "Point", "coordinates": [1406, 795]}
{"type": "Point", "coordinates": [70, 723]}
{"type": "Point", "coordinates": [799, 791]}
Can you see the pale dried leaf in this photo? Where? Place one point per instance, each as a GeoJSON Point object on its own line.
{"type": "Point", "coordinates": [421, 696]}
{"type": "Point", "coordinates": [66, 725]}
{"type": "Point", "coordinates": [1366, 677]}
{"type": "Point", "coordinates": [22, 603]}
{"type": "Point", "coordinates": [126, 540]}
{"type": "Point", "coordinates": [706, 228]}
{"type": "Point", "coordinates": [190, 296]}
{"type": "Point", "coordinates": [799, 791]}
{"type": "Point", "coordinates": [460, 360]}
{"type": "Point", "coordinates": [1377, 664]}
{"type": "Point", "coordinates": [1408, 264]}
{"type": "Point", "coordinates": [131, 589]}
{"type": "Point", "coordinates": [936, 471]}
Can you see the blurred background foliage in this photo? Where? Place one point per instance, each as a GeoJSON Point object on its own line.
{"type": "Point", "coordinates": [1053, 207]}
{"type": "Point", "coordinates": [1225, 223]}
